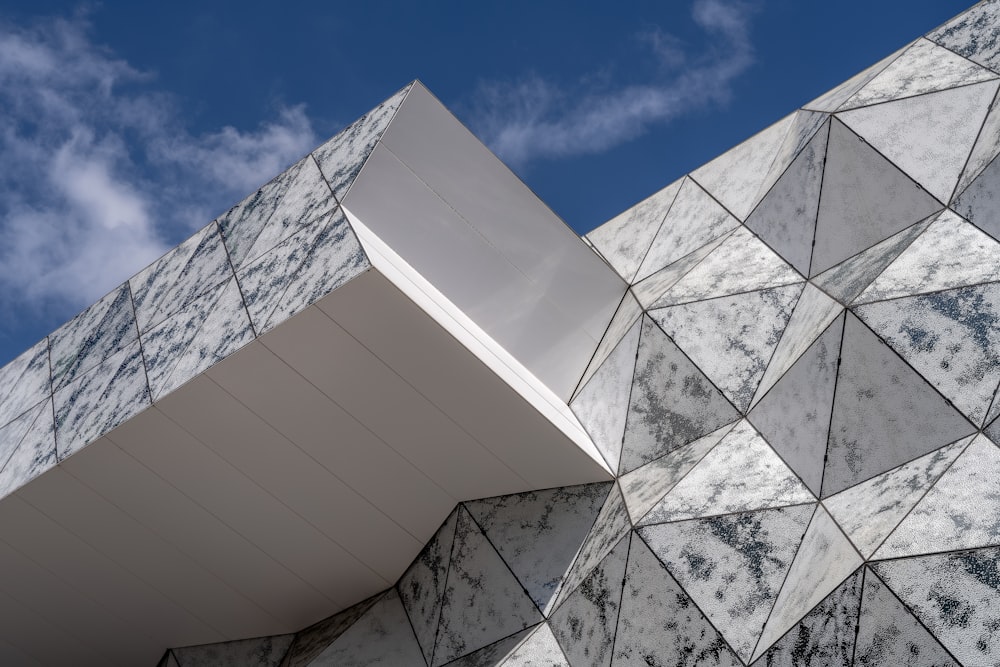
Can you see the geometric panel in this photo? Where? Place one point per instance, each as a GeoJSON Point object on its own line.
{"type": "Point", "coordinates": [865, 200]}
{"type": "Point", "coordinates": [825, 636]}
{"type": "Point", "coordinates": [786, 218]}
{"type": "Point", "coordinates": [653, 287]}
{"type": "Point", "coordinates": [341, 158]}
{"type": "Point", "coordinates": [794, 416]}
{"type": "Point", "coordinates": [871, 510]}
{"type": "Point", "coordinates": [961, 511]}
{"type": "Point", "coordinates": [421, 588]}
{"type": "Point", "coordinates": [834, 98]}
{"type": "Point", "coordinates": [539, 650]}
{"type": "Point", "coordinates": [491, 655]}
{"type": "Point", "coordinates": [646, 485]}
{"type": "Point", "coordinates": [659, 624]}
{"type": "Point", "coordinates": [672, 402]}
{"type": "Point", "coordinates": [732, 566]}
{"type": "Point", "coordinates": [736, 176]}
{"type": "Point", "coordinates": [741, 263]}
{"type": "Point", "coordinates": [986, 148]}
{"type": "Point", "coordinates": [382, 636]}
{"type": "Point", "coordinates": [741, 473]}
{"type": "Point", "coordinates": [584, 625]}
{"type": "Point", "coordinates": [537, 533]}
{"type": "Point", "coordinates": [951, 338]}
{"type": "Point", "coordinates": [847, 280]}
{"type": "Point", "coordinates": [888, 634]}
{"type": "Point", "coordinates": [884, 413]}
{"type": "Point", "coordinates": [951, 253]}
{"type": "Point", "coordinates": [624, 240]}
{"type": "Point", "coordinates": [313, 640]}
{"type": "Point", "coordinates": [482, 602]}
{"type": "Point", "coordinates": [602, 404]}
{"type": "Point", "coordinates": [972, 34]}
{"type": "Point", "coordinates": [813, 312]}
{"type": "Point", "coordinates": [24, 382]}
{"type": "Point", "coordinates": [979, 202]}
{"type": "Point", "coordinates": [922, 68]}
{"type": "Point", "coordinates": [610, 526]}
{"type": "Point", "coordinates": [824, 560]}
{"type": "Point", "coordinates": [694, 220]}
{"type": "Point", "coordinates": [956, 595]}
{"type": "Point", "coordinates": [929, 136]}
{"type": "Point", "coordinates": [731, 338]}
{"type": "Point", "coordinates": [263, 652]}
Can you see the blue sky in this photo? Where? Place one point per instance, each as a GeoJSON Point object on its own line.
{"type": "Point", "coordinates": [125, 126]}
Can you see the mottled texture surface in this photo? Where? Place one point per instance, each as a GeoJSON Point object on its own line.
{"type": "Point", "coordinates": [672, 402]}
{"type": "Point", "coordinates": [732, 566]}
{"type": "Point", "coordinates": [874, 389]}
{"type": "Point", "coordinates": [731, 338]}
{"type": "Point", "coordinates": [869, 511]}
{"type": "Point", "coordinates": [866, 199]}
{"type": "Point", "coordinates": [740, 473]}
{"type": "Point", "coordinates": [538, 533]}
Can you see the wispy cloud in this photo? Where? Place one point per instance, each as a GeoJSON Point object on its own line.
{"type": "Point", "coordinates": [98, 173]}
{"type": "Point", "coordinates": [533, 118]}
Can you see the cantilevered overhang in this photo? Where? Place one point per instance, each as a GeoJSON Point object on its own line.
{"type": "Point", "coordinates": [266, 425]}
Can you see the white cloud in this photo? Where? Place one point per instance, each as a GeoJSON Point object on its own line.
{"type": "Point", "coordinates": [533, 118]}
{"type": "Point", "coordinates": [98, 174]}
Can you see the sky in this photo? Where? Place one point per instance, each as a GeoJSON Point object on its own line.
{"type": "Point", "coordinates": [126, 126]}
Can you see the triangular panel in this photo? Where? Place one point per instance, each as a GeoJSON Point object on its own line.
{"type": "Point", "coordinates": [672, 403]}
{"type": "Point", "coordinates": [496, 653]}
{"type": "Point", "coordinates": [260, 652]}
{"type": "Point", "coordinates": [732, 566]}
{"type": "Point", "coordinates": [865, 200]}
{"type": "Point", "coordinates": [884, 413]}
{"type": "Point", "coordinates": [871, 510]}
{"type": "Point", "coordinates": [957, 596]}
{"type": "Point", "coordinates": [539, 650]}
{"type": "Point", "coordinates": [922, 68]}
{"type": "Point", "coordinates": [741, 473]}
{"type": "Point", "coordinates": [643, 487]}
{"type": "Point", "coordinates": [741, 263]}
{"type": "Point", "coordinates": [951, 338]}
{"type": "Point", "coordinates": [824, 560]}
{"type": "Point", "coordinates": [973, 34]}
{"type": "Point", "coordinates": [814, 311]}
{"type": "Point", "coordinates": [794, 416]}
{"type": "Point", "coordinates": [652, 288]}
{"type": "Point", "coordinates": [659, 624]}
{"type": "Point", "coordinates": [621, 323]}
{"type": "Point", "coordinates": [584, 625]}
{"type": "Point", "coordinates": [611, 524]}
{"type": "Point", "coordinates": [825, 636]}
{"type": "Point", "coordinates": [848, 279]}
{"type": "Point", "coordinates": [786, 218]}
{"type": "Point", "coordinates": [961, 511]}
{"type": "Point", "coordinates": [381, 636]}
{"type": "Point", "coordinates": [693, 220]}
{"type": "Point", "coordinates": [987, 147]}
{"type": "Point", "coordinates": [624, 240]}
{"type": "Point", "coordinates": [482, 602]}
{"type": "Point", "coordinates": [602, 405]}
{"type": "Point", "coordinates": [930, 136]}
{"type": "Point", "coordinates": [422, 586]}
{"type": "Point", "coordinates": [736, 176]}
{"type": "Point", "coordinates": [731, 338]}
{"type": "Point", "coordinates": [888, 634]}
{"type": "Point", "coordinates": [835, 98]}
{"type": "Point", "coordinates": [538, 533]}
{"type": "Point", "coordinates": [951, 253]}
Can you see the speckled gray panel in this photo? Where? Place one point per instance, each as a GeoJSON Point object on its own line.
{"type": "Point", "coordinates": [659, 624]}
{"type": "Point", "coordinates": [884, 413]}
{"type": "Point", "coordinates": [794, 416]}
{"type": "Point", "coordinates": [825, 636]}
{"type": "Point", "coordinates": [672, 402]}
{"type": "Point", "coordinates": [866, 199]}
{"type": "Point", "coordinates": [786, 218]}
{"type": "Point", "coordinates": [263, 652]}
{"type": "Point", "coordinates": [584, 624]}
{"type": "Point", "coordinates": [537, 533]}
{"type": "Point", "coordinates": [888, 634]}
{"type": "Point", "coordinates": [483, 601]}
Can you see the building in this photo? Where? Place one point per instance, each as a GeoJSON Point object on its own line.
{"type": "Point", "coordinates": [390, 410]}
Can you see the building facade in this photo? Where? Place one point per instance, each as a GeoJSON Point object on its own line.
{"type": "Point", "coordinates": [390, 410]}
